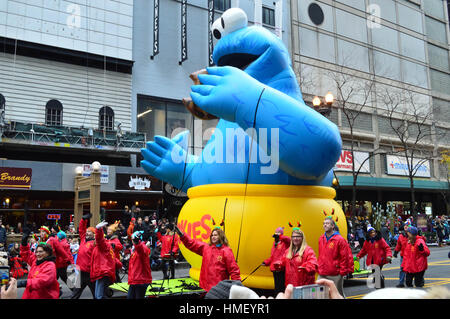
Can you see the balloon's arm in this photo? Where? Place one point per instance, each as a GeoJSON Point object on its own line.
{"type": "Point", "coordinates": [307, 144]}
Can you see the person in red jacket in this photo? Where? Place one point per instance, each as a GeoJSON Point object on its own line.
{"type": "Point", "coordinates": [299, 261]}
{"type": "Point", "coordinates": [87, 236]}
{"type": "Point", "coordinates": [377, 250]}
{"type": "Point", "coordinates": [41, 282]}
{"type": "Point", "coordinates": [103, 264]}
{"type": "Point", "coordinates": [113, 240]}
{"type": "Point", "coordinates": [218, 261]}
{"type": "Point", "coordinates": [139, 271]}
{"type": "Point", "coordinates": [169, 250]}
{"type": "Point", "coordinates": [415, 258]}
{"type": "Point", "coordinates": [400, 248]}
{"type": "Point", "coordinates": [280, 245]}
{"type": "Point", "coordinates": [333, 255]}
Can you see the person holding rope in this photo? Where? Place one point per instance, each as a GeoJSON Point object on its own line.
{"type": "Point", "coordinates": [139, 271]}
{"type": "Point", "coordinates": [218, 262]}
{"type": "Point", "coordinates": [169, 250]}
{"type": "Point", "coordinates": [299, 261]}
{"type": "Point", "coordinates": [279, 247]}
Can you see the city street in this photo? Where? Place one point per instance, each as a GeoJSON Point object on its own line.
{"type": "Point", "coordinates": [437, 274]}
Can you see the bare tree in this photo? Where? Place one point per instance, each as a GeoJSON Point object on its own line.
{"type": "Point", "coordinates": [354, 95]}
{"type": "Point", "coordinates": [410, 121]}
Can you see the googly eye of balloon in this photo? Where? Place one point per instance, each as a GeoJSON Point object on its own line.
{"type": "Point", "coordinates": [231, 20]}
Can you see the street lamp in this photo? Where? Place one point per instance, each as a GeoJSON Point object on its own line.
{"type": "Point", "coordinates": [96, 166]}
{"type": "Point", "coordinates": [323, 108]}
{"type": "Point", "coordinates": [78, 170]}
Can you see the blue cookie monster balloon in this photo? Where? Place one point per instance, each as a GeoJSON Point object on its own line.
{"type": "Point", "coordinates": [268, 160]}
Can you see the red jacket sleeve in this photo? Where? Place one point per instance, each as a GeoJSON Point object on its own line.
{"type": "Point", "coordinates": [426, 250]}
{"type": "Point", "coordinates": [232, 266]}
{"type": "Point", "coordinates": [26, 254]}
{"type": "Point", "coordinates": [310, 261]}
{"type": "Point", "coordinates": [363, 251]}
{"type": "Point", "coordinates": [398, 247]}
{"type": "Point", "coordinates": [196, 246]}
{"type": "Point", "coordinates": [100, 240]}
{"type": "Point", "coordinates": [82, 229]}
{"type": "Point", "coordinates": [60, 249]}
{"type": "Point", "coordinates": [343, 255]}
{"type": "Point", "coordinates": [175, 245]}
{"type": "Point", "coordinates": [386, 248]}
{"type": "Point", "coordinates": [286, 240]}
{"type": "Point", "coordinates": [142, 250]}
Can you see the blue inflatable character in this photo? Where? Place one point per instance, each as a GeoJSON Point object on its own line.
{"type": "Point", "coordinates": [266, 133]}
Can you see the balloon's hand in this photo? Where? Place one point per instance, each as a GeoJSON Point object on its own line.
{"type": "Point", "coordinates": [226, 92]}
{"type": "Point", "coordinates": [165, 158]}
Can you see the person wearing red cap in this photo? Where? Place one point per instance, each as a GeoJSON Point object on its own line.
{"type": "Point", "coordinates": [139, 271]}
{"type": "Point", "coordinates": [103, 264]}
{"type": "Point", "coordinates": [87, 236]}
{"type": "Point", "coordinates": [280, 245]}
{"type": "Point", "coordinates": [299, 261]}
{"type": "Point", "coordinates": [218, 261]}
{"type": "Point", "coordinates": [415, 258]}
{"type": "Point", "coordinates": [333, 255]}
{"type": "Point", "coordinates": [402, 241]}
{"type": "Point", "coordinates": [114, 241]}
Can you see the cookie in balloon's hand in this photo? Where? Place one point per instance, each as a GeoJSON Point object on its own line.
{"type": "Point", "coordinates": [189, 104]}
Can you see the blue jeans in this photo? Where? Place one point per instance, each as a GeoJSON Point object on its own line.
{"type": "Point", "coordinates": [402, 273]}
{"type": "Point", "coordinates": [100, 286]}
{"type": "Point", "coordinates": [137, 291]}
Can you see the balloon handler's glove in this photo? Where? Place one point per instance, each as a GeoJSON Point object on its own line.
{"type": "Point", "coordinates": [101, 225]}
{"type": "Point", "coordinates": [420, 247]}
{"type": "Point", "coordinates": [395, 254]}
{"type": "Point", "coordinates": [87, 216]}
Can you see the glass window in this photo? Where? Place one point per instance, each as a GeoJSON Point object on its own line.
{"type": "Point", "coordinates": [316, 45]}
{"type": "Point", "coordinates": [268, 16]}
{"type": "Point", "coordinates": [412, 47]}
{"type": "Point", "coordinates": [410, 18]}
{"type": "Point", "coordinates": [385, 38]}
{"type": "Point", "coordinates": [415, 74]}
{"type": "Point", "coordinates": [434, 8]}
{"type": "Point", "coordinates": [106, 118]}
{"type": "Point", "coordinates": [439, 81]}
{"type": "Point", "coordinates": [436, 30]}
{"type": "Point", "coordinates": [222, 5]}
{"type": "Point", "coordinates": [53, 113]}
{"type": "Point", "coordinates": [386, 9]}
{"type": "Point", "coordinates": [353, 55]}
{"type": "Point", "coordinates": [441, 111]}
{"type": "Point", "coordinates": [438, 57]}
{"type": "Point", "coordinates": [351, 26]}
{"type": "Point", "coordinates": [387, 65]}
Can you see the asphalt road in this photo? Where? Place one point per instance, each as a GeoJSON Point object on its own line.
{"type": "Point", "coordinates": [437, 274]}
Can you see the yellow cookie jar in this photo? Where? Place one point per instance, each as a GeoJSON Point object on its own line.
{"type": "Point", "coordinates": [251, 213]}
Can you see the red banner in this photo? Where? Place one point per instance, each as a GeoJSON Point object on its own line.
{"type": "Point", "coordinates": [13, 177]}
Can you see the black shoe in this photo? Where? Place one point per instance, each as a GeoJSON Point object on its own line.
{"type": "Point", "coordinates": [400, 286]}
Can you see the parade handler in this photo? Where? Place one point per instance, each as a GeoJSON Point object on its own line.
{"type": "Point", "coordinates": [415, 258]}
{"type": "Point", "coordinates": [218, 261]}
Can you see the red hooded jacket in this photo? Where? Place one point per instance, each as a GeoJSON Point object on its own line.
{"type": "Point", "coordinates": [139, 271]}
{"type": "Point", "coordinates": [277, 252]}
{"type": "Point", "coordinates": [61, 250]}
{"type": "Point", "coordinates": [333, 255]}
{"type": "Point", "coordinates": [350, 262]}
{"type": "Point", "coordinates": [41, 281]}
{"type": "Point", "coordinates": [103, 262]}
{"type": "Point", "coordinates": [86, 248]}
{"type": "Point", "coordinates": [415, 260]}
{"type": "Point", "coordinates": [376, 251]}
{"type": "Point", "coordinates": [166, 244]}
{"type": "Point", "coordinates": [296, 276]}
{"type": "Point", "coordinates": [218, 263]}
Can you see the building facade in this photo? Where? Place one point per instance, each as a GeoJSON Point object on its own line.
{"type": "Point", "coordinates": [368, 54]}
{"type": "Point", "coordinates": [65, 94]}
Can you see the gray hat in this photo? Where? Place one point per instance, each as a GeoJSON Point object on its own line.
{"type": "Point", "coordinates": [222, 289]}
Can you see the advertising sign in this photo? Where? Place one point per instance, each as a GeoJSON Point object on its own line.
{"type": "Point", "coordinates": [398, 165]}
{"type": "Point", "coordinates": [104, 170]}
{"type": "Point", "coordinates": [138, 183]}
{"type": "Point", "coordinates": [346, 159]}
{"type": "Point", "coordinates": [13, 177]}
